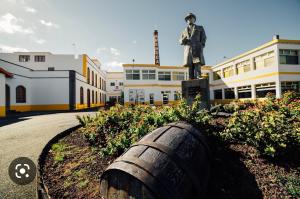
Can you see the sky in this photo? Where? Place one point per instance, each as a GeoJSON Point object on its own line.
{"type": "Point", "coordinates": [117, 32]}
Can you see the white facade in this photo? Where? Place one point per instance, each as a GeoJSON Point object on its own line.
{"type": "Point", "coordinates": [273, 67]}
{"type": "Point", "coordinates": [152, 84]}
{"type": "Point", "coordinates": [44, 81]}
{"type": "Point", "coordinates": [114, 86]}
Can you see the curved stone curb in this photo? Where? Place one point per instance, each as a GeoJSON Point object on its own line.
{"type": "Point", "coordinates": [42, 190]}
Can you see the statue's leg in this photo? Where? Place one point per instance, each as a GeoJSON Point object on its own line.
{"type": "Point", "coordinates": [191, 72]}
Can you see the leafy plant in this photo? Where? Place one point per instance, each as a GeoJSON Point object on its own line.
{"type": "Point", "coordinates": [58, 150]}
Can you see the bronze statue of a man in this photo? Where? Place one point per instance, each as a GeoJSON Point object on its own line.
{"type": "Point", "coordinates": [193, 39]}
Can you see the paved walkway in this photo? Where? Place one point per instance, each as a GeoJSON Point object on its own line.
{"type": "Point", "coordinates": [26, 138]}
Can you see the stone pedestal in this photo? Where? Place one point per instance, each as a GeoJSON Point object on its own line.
{"type": "Point", "coordinates": [190, 88]}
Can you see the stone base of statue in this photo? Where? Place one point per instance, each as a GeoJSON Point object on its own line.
{"type": "Point", "coordinates": [190, 88]}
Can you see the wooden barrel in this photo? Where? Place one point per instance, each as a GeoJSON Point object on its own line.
{"type": "Point", "coordinates": [170, 162]}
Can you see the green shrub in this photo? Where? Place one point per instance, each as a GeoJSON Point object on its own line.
{"type": "Point", "coordinates": [273, 126]}
{"type": "Point", "coordinates": [114, 130]}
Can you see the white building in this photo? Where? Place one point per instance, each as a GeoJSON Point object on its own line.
{"type": "Point", "coordinates": [153, 84]}
{"type": "Point", "coordinates": [32, 81]}
{"type": "Point", "coordinates": [114, 86]}
{"type": "Point", "coordinates": [273, 67]}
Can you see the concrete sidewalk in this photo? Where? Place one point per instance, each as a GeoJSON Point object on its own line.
{"type": "Point", "coordinates": [27, 138]}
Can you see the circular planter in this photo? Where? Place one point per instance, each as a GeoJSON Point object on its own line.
{"type": "Point", "coordinates": [41, 189]}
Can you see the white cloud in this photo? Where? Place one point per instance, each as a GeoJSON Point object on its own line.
{"type": "Point", "coordinates": [49, 24]}
{"type": "Point", "coordinates": [113, 66]}
{"type": "Point", "coordinates": [134, 41]}
{"type": "Point", "coordinates": [99, 50]}
{"type": "Point", "coordinates": [11, 49]}
{"type": "Point", "coordinates": [16, 1]}
{"type": "Point", "coordinates": [30, 9]}
{"type": "Point", "coordinates": [38, 41]}
{"type": "Point", "coordinates": [114, 51]}
{"type": "Point", "coordinates": [11, 24]}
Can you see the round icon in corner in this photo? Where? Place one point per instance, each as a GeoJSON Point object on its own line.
{"type": "Point", "coordinates": [22, 171]}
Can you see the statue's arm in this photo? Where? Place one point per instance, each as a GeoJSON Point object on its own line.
{"type": "Point", "coordinates": [183, 39]}
{"type": "Point", "coordinates": [203, 40]}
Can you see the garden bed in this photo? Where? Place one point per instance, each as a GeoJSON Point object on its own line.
{"type": "Point", "coordinates": [255, 149]}
{"type": "Point", "coordinates": [73, 170]}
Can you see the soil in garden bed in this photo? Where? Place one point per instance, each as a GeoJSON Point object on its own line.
{"type": "Point", "coordinates": [73, 169]}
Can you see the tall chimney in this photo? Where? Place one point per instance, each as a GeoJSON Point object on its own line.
{"type": "Point", "coordinates": [156, 48]}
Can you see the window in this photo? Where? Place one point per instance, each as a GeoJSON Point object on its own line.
{"type": "Point", "coordinates": [88, 96]}
{"type": "Point", "coordinates": [218, 94]}
{"type": "Point", "coordinates": [243, 67]}
{"type": "Point", "coordinates": [100, 97]}
{"type": "Point", "coordinates": [104, 82]}
{"type": "Point", "coordinates": [164, 76]}
{"type": "Point", "coordinates": [263, 89]}
{"type": "Point", "coordinates": [81, 95]}
{"type": "Point", "coordinates": [24, 58]}
{"type": "Point", "coordinates": [88, 75]}
{"type": "Point", "coordinates": [290, 86]}
{"type": "Point", "coordinates": [112, 83]}
{"type": "Point", "coordinates": [228, 71]}
{"type": "Point", "coordinates": [51, 69]}
{"type": "Point", "coordinates": [96, 81]}
{"type": "Point", "coordinates": [264, 60]}
{"type": "Point", "coordinates": [217, 75]}
{"type": "Point", "coordinates": [151, 98]}
{"type": "Point", "coordinates": [20, 94]}
{"type": "Point", "coordinates": [39, 58]}
{"type": "Point", "coordinates": [288, 56]}
{"type": "Point", "coordinates": [100, 82]}
{"type": "Point", "coordinates": [178, 76]}
{"type": "Point", "coordinates": [165, 98]}
{"type": "Point", "coordinates": [96, 94]}
{"type": "Point", "coordinates": [244, 92]}
{"type": "Point", "coordinates": [93, 97]}
{"type": "Point", "coordinates": [148, 74]}
{"type": "Point", "coordinates": [177, 96]}
{"type": "Point", "coordinates": [229, 93]}
{"type": "Point", "coordinates": [92, 78]}
{"type": "Point", "coordinates": [132, 74]}
{"type": "Point", "coordinates": [120, 83]}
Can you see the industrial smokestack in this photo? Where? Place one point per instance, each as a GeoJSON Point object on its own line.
{"type": "Point", "coordinates": [156, 48]}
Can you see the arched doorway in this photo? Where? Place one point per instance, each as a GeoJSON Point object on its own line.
{"type": "Point", "coordinates": [88, 98]}
{"type": "Point", "coordinates": [7, 98]}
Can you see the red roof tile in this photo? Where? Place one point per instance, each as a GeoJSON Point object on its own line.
{"type": "Point", "coordinates": [7, 74]}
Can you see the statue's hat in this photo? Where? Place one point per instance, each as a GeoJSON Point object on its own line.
{"type": "Point", "coordinates": [189, 16]}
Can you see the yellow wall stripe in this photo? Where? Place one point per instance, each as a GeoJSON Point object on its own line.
{"type": "Point", "coordinates": [48, 107]}
{"type": "Point", "coordinates": [84, 65]}
{"type": "Point", "coordinates": [2, 111]}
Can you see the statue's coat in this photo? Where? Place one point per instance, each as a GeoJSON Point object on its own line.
{"type": "Point", "coordinates": [193, 50]}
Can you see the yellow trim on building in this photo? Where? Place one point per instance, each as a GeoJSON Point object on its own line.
{"type": "Point", "coordinates": [85, 106]}
{"type": "Point", "coordinates": [46, 107]}
{"type": "Point", "coordinates": [153, 65]}
{"type": "Point", "coordinates": [227, 101]}
{"type": "Point", "coordinates": [257, 77]}
{"type": "Point", "coordinates": [151, 85]}
{"type": "Point", "coordinates": [2, 111]}
{"type": "Point", "coordinates": [275, 41]}
{"type": "Point", "coordinates": [84, 65]}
